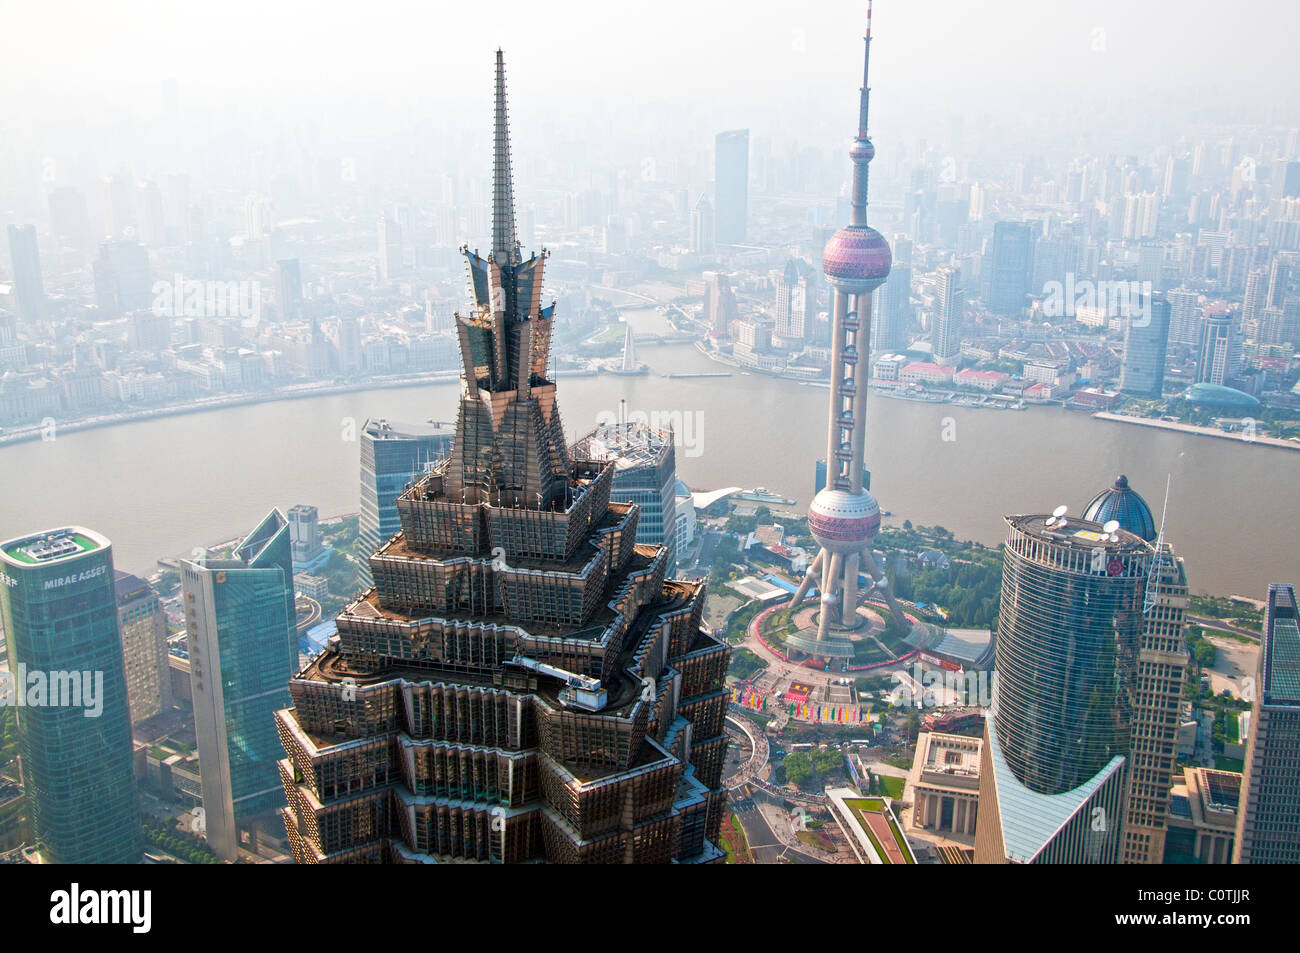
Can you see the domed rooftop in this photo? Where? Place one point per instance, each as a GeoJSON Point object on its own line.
{"type": "Point", "coordinates": [1223, 398]}
{"type": "Point", "coordinates": [1124, 505]}
{"type": "Point", "coordinates": [857, 258]}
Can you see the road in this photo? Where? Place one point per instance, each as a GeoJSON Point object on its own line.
{"type": "Point", "coordinates": [1222, 626]}
{"type": "Point", "coordinates": [764, 843]}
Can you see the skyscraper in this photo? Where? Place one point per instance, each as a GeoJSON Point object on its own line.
{"type": "Point", "coordinates": [390, 249]}
{"type": "Point", "coordinates": [392, 455]}
{"type": "Point", "coordinates": [1268, 821]}
{"type": "Point", "coordinates": [523, 683]}
{"type": "Point", "coordinates": [144, 646]}
{"type": "Point", "coordinates": [1011, 268]}
{"type": "Point", "coordinates": [288, 289]}
{"type": "Point", "coordinates": [791, 307]}
{"type": "Point", "coordinates": [1184, 316]}
{"type": "Point", "coordinates": [844, 517]}
{"type": "Point", "coordinates": [894, 299]}
{"type": "Point", "coordinates": [1054, 771]}
{"type": "Point", "coordinates": [703, 227]}
{"type": "Point", "coordinates": [28, 286]}
{"type": "Point", "coordinates": [1157, 689]}
{"type": "Point", "coordinates": [1217, 362]}
{"type": "Point", "coordinates": [731, 186]}
{"type": "Point", "coordinates": [243, 644]}
{"type": "Point", "coordinates": [59, 615]}
{"type": "Point", "coordinates": [645, 473]}
{"type": "Point", "coordinates": [304, 533]}
{"type": "Point", "coordinates": [1146, 346]}
{"type": "Point", "coordinates": [949, 315]}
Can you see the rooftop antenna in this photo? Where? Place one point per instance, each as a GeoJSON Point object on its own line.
{"type": "Point", "coordinates": [1160, 561]}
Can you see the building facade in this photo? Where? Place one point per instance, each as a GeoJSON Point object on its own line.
{"type": "Point", "coordinates": [1146, 346]}
{"type": "Point", "coordinates": [1268, 823]}
{"type": "Point", "coordinates": [645, 473]}
{"type": "Point", "coordinates": [243, 645]}
{"type": "Point", "coordinates": [144, 646]}
{"type": "Point", "coordinates": [731, 186]}
{"type": "Point", "coordinates": [1054, 778]}
{"type": "Point", "coordinates": [392, 455]}
{"type": "Point", "coordinates": [59, 615]}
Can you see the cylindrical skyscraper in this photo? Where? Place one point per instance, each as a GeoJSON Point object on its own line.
{"type": "Point", "coordinates": [67, 681]}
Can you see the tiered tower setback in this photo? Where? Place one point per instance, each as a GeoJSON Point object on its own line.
{"type": "Point", "coordinates": [523, 683]}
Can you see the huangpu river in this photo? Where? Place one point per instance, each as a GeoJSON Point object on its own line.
{"type": "Point", "coordinates": [160, 488]}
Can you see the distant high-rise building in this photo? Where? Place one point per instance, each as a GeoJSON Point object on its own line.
{"type": "Point", "coordinates": [59, 615]}
{"type": "Point", "coordinates": [703, 228]}
{"type": "Point", "coordinates": [731, 186]}
{"type": "Point", "coordinates": [122, 281]}
{"type": "Point", "coordinates": [949, 315]}
{"type": "Point", "coordinates": [1146, 346]}
{"type": "Point", "coordinates": [1054, 777]}
{"type": "Point", "coordinates": [1254, 302]}
{"type": "Point", "coordinates": [645, 473]}
{"type": "Point", "coordinates": [144, 646]}
{"type": "Point", "coordinates": [149, 202]}
{"type": "Point", "coordinates": [390, 249]}
{"type": "Point", "coordinates": [1012, 267]}
{"type": "Point", "coordinates": [720, 307]}
{"type": "Point", "coordinates": [243, 645]}
{"type": "Point", "coordinates": [893, 311]}
{"type": "Point", "coordinates": [304, 533]}
{"type": "Point", "coordinates": [288, 289]}
{"type": "Point", "coordinates": [393, 455]}
{"type": "Point", "coordinates": [29, 288]}
{"type": "Point", "coordinates": [1268, 821]}
{"type": "Point", "coordinates": [791, 309]}
{"type": "Point", "coordinates": [1217, 362]}
{"type": "Point", "coordinates": [1184, 316]}
{"type": "Point", "coordinates": [1279, 280]}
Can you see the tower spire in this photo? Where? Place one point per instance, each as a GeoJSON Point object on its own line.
{"type": "Point", "coordinates": [505, 247]}
{"type": "Point", "coordinates": [863, 151]}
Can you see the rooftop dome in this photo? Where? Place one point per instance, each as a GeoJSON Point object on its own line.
{"type": "Point", "coordinates": [1125, 506]}
{"type": "Point", "coordinates": [857, 258]}
{"type": "Point", "coordinates": [1220, 397]}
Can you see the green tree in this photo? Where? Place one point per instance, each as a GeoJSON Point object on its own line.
{"type": "Point", "coordinates": [798, 768]}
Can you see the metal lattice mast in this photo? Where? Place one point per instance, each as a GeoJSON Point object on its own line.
{"type": "Point", "coordinates": [1159, 561]}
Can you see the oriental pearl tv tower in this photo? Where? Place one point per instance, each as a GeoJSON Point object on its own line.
{"type": "Point", "coordinates": [844, 518]}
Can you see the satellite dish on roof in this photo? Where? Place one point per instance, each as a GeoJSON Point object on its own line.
{"type": "Point", "coordinates": [1058, 516]}
{"type": "Point", "coordinates": [1111, 529]}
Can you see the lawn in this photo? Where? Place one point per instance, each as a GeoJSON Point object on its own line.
{"type": "Point", "coordinates": [893, 787]}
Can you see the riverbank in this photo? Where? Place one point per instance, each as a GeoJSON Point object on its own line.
{"type": "Point", "coordinates": [39, 431]}
{"type": "Point", "coordinates": [1196, 429]}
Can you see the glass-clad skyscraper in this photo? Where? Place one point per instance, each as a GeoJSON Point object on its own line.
{"type": "Point", "coordinates": [1058, 745]}
{"type": "Point", "coordinates": [239, 614]}
{"type": "Point", "coordinates": [645, 473]}
{"type": "Point", "coordinates": [392, 455]}
{"type": "Point", "coordinates": [67, 684]}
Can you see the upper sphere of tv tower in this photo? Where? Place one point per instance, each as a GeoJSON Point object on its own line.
{"type": "Point", "coordinates": [857, 259]}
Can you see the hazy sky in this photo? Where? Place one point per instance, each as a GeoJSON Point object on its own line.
{"type": "Point", "coordinates": [71, 59]}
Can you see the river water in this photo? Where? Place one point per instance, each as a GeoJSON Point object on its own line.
{"type": "Point", "coordinates": [162, 487]}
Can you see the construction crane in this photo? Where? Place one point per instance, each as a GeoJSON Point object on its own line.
{"type": "Point", "coordinates": [580, 691]}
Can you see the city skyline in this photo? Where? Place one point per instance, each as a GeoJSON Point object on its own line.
{"type": "Point", "coordinates": [674, 623]}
